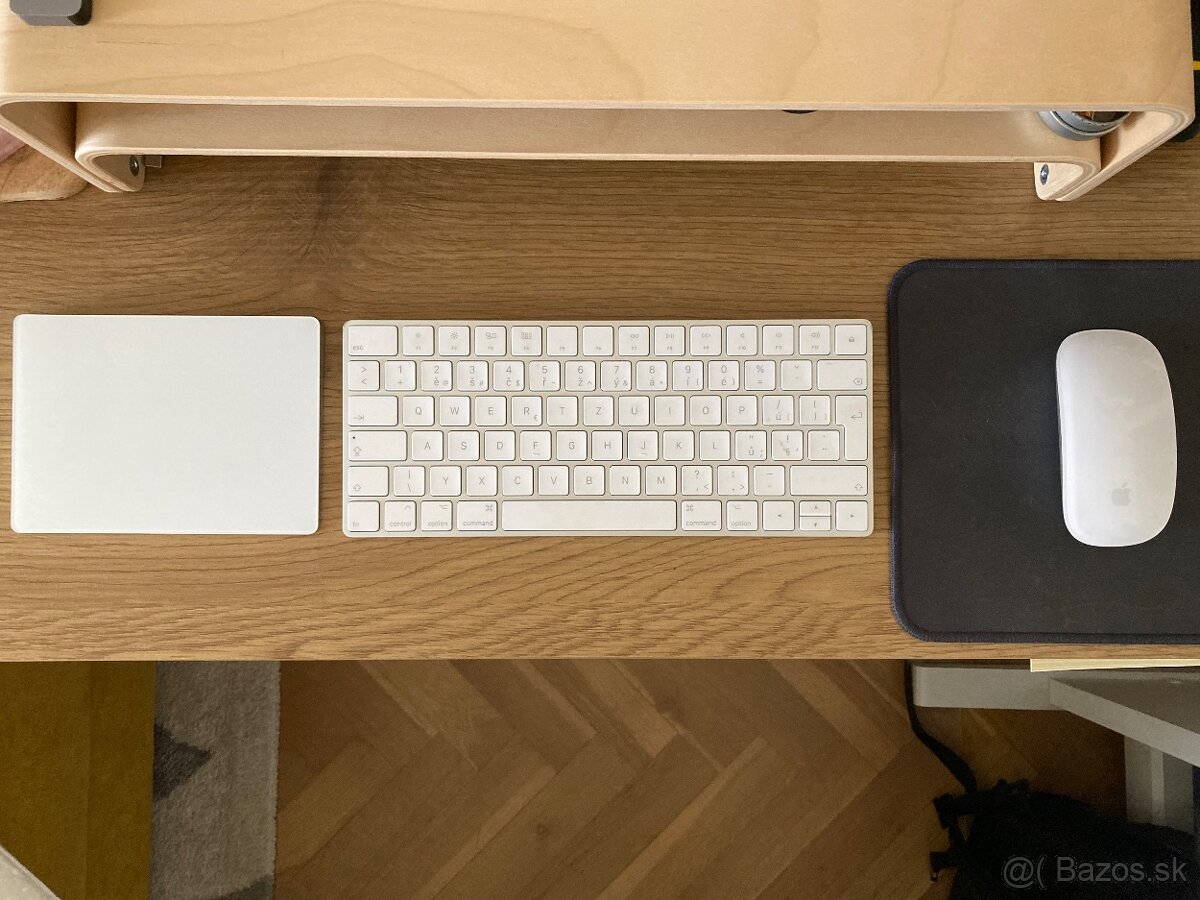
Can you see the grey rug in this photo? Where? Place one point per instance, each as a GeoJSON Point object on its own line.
{"type": "Point", "coordinates": [216, 759]}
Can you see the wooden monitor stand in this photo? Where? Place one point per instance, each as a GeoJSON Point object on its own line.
{"type": "Point", "coordinates": [935, 80]}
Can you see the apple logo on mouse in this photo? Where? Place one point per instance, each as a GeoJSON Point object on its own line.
{"type": "Point", "coordinates": [1121, 495]}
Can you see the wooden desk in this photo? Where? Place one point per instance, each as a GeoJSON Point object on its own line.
{"type": "Point", "coordinates": [427, 238]}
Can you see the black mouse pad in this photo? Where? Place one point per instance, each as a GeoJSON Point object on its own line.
{"type": "Point", "coordinates": [979, 548]}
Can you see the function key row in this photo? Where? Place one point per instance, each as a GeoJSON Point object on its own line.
{"type": "Point", "coordinates": [814, 339]}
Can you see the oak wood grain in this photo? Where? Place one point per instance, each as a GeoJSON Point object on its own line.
{"type": "Point", "coordinates": [342, 239]}
{"type": "Point", "coordinates": [478, 810]}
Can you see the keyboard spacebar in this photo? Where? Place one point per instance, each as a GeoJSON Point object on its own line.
{"type": "Point", "coordinates": [588, 515]}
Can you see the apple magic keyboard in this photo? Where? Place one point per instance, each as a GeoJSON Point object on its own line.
{"type": "Point", "coordinates": [457, 428]}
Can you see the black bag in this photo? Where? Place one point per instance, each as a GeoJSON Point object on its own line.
{"type": "Point", "coordinates": [1029, 844]}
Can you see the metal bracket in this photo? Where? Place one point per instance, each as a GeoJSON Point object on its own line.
{"type": "Point", "coordinates": [53, 12]}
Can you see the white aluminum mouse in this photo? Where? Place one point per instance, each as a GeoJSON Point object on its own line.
{"type": "Point", "coordinates": [1116, 423]}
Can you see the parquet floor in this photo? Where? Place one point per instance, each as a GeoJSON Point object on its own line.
{"type": "Point", "coordinates": [641, 779]}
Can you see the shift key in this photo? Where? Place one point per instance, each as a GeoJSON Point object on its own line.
{"type": "Point", "coordinates": [828, 481]}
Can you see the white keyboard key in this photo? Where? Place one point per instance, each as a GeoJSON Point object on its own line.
{"type": "Point", "coordinates": [371, 340]}
{"type": "Point", "coordinates": [554, 481]}
{"type": "Point", "coordinates": [499, 445]}
{"type": "Point", "coordinates": [816, 508]}
{"type": "Point", "coordinates": [741, 340]}
{"type": "Point", "coordinates": [527, 412]}
{"type": "Point", "coordinates": [733, 481]}
{"type": "Point", "coordinates": [687, 375]}
{"type": "Point", "coordinates": [633, 340]}
{"type": "Point", "coordinates": [454, 411]}
{"type": "Point", "coordinates": [562, 411]}
{"type": "Point", "coordinates": [787, 445]}
{"type": "Point", "coordinates": [417, 410]}
{"type": "Point", "coordinates": [462, 446]}
{"type": "Point", "coordinates": [616, 375]}
{"type": "Point", "coordinates": [400, 515]}
{"type": "Point", "coordinates": [661, 481]}
{"type": "Point", "coordinates": [367, 481]}
{"type": "Point", "coordinates": [607, 445]}
{"type": "Point", "coordinates": [741, 410]}
{"type": "Point", "coordinates": [778, 340]}
{"type": "Point", "coordinates": [643, 446]}
{"type": "Point", "coordinates": [841, 375]}
{"type": "Point", "coordinates": [851, 413]}
{"type": "Point", "coordinates": [408, 481]}
{"type": "Point", "coordinates": [704, 410]}
{"type": "Point", "coordinates": [824, 446]}
{"type": "Point", "coordinates": [362, 516]}
{"type": "Point", "coordinates": [828, 481]}
{"type": "Point", "coordinates": [668, 340]}
{"type": "Point", "coordinates": [723, 375]}
{"type": "Point", "coordinates": [471, 375]}
{"type": "Point", "coordinates": [581, 375]}
{"type": "Point", "coordinates": [651, 375]}
{"type": "Point", "coordinates": [701, 515]}
{"type": "Point", "coordinates": [365, 411]}
{"type": "Point", "coordinates": [588, 515]}
{"type": "Point", "coordinates": [372, 446]}
{"type": "Point", "coordinates": [453, 340]}
{"type": "Point", "coordinates": [536, 446]}
{"type": "Point", "coordinates": [679, 445]}
{"type": "Point", "coordinates": [852, 515]}
{"type": "Point", "coordinates": [481, 481]}
{"type": "Point", "coordinates": [562, 340]}
{"type": "Point", "coordinates": [814, 340]}
{"type": "Point", "coordinates": [417, 340]}
{"type": "Point", "coordinates": [508, 376]}
{"type": "Point", "coordinates": [400, 375]}
{"type": "Point", "coordinates": [633, 411]}
{"type": "Point", "coordinates": [518, 481]}
{"type": "Point", "coordinates": [697, 481]}
{"type": "Point", "coordinates": [436, 375]}
{"type": "Point", "coordinates": [571, 446]}
{"type": "Point", "coordinates": [741, 515]}
{"type": "Point", "coordinates": [491, 410]}
{"type": "Point", "coordinates": [598, 411]}
{"type": "Point", "coordinates": [750, 445]}
{"type": "Point", "coordinates": [714, 445]}
{"type": "Point", "coordinates": [705, 340]}
{"type": "Point", "coordinates": [526, 340]}
{"type": "Point", "coordinates": [850, 340]}
{"type": "Point", "coordinates": [758, 375]}
{"type": "Point", "coordinates": [445, 481]}
{"type": "Point", "coordinates": [795, 375]}
{"type": "Point", "coordinates": [597, 340]}
{"type": "Point", "coordinates": [779, 515]}
{"type": "Point", "coordinates": [814, 410]}
{"type": "Point", "coordinates": [428, 446]}
{"type": "Point", "coordinates": [779, 410]}
{"type": "Point", "coordinates": [768, 481]}
{"type": "Point", "coordinates": [625, 481]}
{"type": "Point", "coordinates": [545, 375]}
{"type": "Point", "coordinates": [476, 515]}
{"type": "Point", "coordinates": [490, 340]}
{"type": "Point", "coordinates": [588, 481]}
{"type": "Point", "coordinates": [437, 515]}
{"type": "Point", "coordinates": [816, 523]}
{"type": "Point", "coordinates": [363, 375]}
{"type": "Point", "coordinates": [668, 411]}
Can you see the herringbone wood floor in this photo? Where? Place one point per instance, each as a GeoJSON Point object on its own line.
{"type": "Point", "coordinates": [723, 780]}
